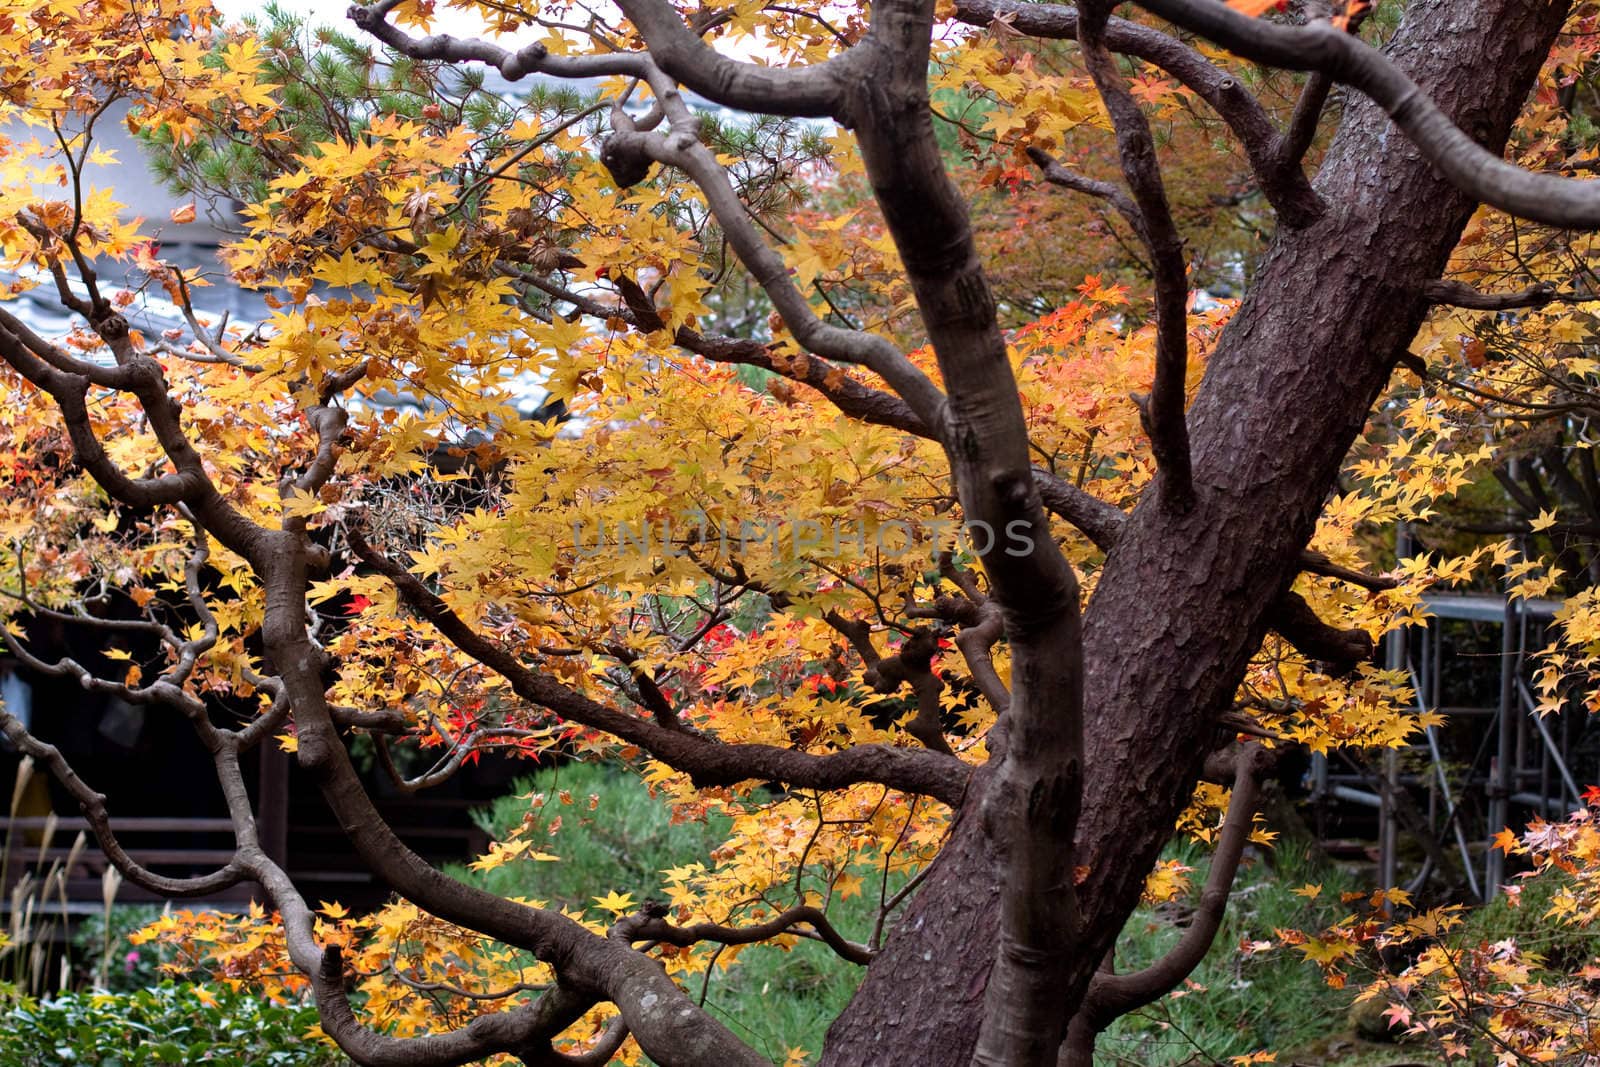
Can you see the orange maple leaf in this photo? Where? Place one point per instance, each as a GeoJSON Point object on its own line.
{"type": "Point", "coordinates": [1255, 8]}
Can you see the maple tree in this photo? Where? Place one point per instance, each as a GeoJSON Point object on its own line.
{"type": "Point", "coordinates": [876, 559]}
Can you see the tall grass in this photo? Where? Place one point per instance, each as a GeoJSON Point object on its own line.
{"type": "Point", "coordinates": [37, 926]}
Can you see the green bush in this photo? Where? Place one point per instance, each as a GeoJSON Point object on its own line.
{"type": "Point", "coordinates": [166, 1023]}
{"type": "Point", "coordinates": [773, 998]}
{"type": "Point", "coordinates": [1562, 946]}
{"type": "Point", "coordinates": [613, 837]}
{"type": "Point", "coordinates": [104, 957]}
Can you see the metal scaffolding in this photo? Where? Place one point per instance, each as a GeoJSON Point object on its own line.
{"type": "Point", "coordinates": [1522, 761]}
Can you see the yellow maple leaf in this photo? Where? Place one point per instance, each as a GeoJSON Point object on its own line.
{"type": "Point", "coordinates": [616, 903]}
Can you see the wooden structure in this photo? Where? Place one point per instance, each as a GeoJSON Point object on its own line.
{"type": "Point", "coordinates": [293, 824]}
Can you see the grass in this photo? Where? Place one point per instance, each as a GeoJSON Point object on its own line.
{"type": "Point", "coordinates": [778, 1000]}
{"type": "Point", "coordinates": [1243, 1004]}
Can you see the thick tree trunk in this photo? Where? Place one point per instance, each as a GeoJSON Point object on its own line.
{"type": "Point", "coordinates": [1180, 605]}
{"type": "Point", "coordinates": [935, 968]}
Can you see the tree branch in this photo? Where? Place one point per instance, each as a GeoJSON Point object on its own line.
{"type": "Point", "coordinates": [1297, 623]}
{"type": "Point", "coordinates": [707, 762]}
{"type": "Point", "coordinates": [975, 643]}
{"type": "Point", "coordinates": [1319, 46]}
{"type": "Point", "coordinates": [649, 924]}
{"type": "Point", "coordinates": [914, 664]}
{"type": "Point", "coordinates": [1100, 522]}
{"type": "Point", "coordinates": [682, 149]}
{"type": "Point", "coordinates": [1163, 412]}
{"type": "Point", "coordinates": [93, 805]}
{"type": "Point", "coordinates": [1314, 562]}
{"type": "Point", "coordinates": [1285, 188]}
{"type": "Point", "coordinates": [814, 91]}
{"type": "Point", "coordinates": [1537, 295]}
{"type": "Point", "coordinates": [1114, 995]}
{"type": "Point", "coordinates": [1056, 174]}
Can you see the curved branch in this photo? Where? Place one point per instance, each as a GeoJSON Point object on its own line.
{"type": "Point", "coordinates": [624, 151]}
{"type": "Point", "coordinates": [810, 92]}
{"type": "Point", "coordinates": [159, 691]}
{"type": "Point", "coordinates": [1053, 172]}
{"type": "Point", "coordinates": [913, 664]}
{"type": "Point", "coordinates": [975, 643]}
{"type": "Point", "coordinates": [1163, 412]}
{"type": "Point", "coordinates": [522, 1030]}
{"type": "Point", "coordinates": [649, 924]}
{"type": "Point", "coordinates": [707, 762]}
{"type": "Point", "coordinates": [815, 91]}
{"type": "Point", "coordinates": [93, 805]}
{"type": "Point", "coordinates": [513, 66]}
{"type": "Point", "coordinates": [1114, 995]}
{"type": "Point", "coordinates": [69, 390]}
{"type": "Point", "coordinates": [188, 484]}
{"type": "Point", "coordinates": [1319, 46]}
{"type": "Point", "coordinates": [598, 1056]}
{"type": "Point", "coordinates": [1285, 187]}
{"type": "Point", "coordinates": [508, 1031]}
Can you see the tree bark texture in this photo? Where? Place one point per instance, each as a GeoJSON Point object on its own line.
{"type": "Point", "coordinates": [1181, 604]}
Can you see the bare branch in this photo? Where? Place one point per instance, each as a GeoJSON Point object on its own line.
{"type": "Point", "coordinates": [1537, 295]}
{"type": "Point", "coordinates": [1056, 174]}
{"type": "Point", "coordinates": [1163, 412]}
{"type": "Point", "coordinates": [93, 805]}
{"type": "Point", "coordinates": [1307, 115]}
{"type": "Point", "coordinates": [1285, 188]}
{"type": "Point", "coordinates": [1298, 624]}
{"type": "Point", "coordinates": [1315, 562]}
{"type": "Point", "coordinates": [813, 92]}
{"type": "Point", "coordinates": [1099, 521]}
{"type": "Point", "coordinates": [1303, 121]}
{"type": "Point", "coordinates": [1113, 995]}
{"type": "Point", "coordinates": [649, 924]}
{"type": "Point", "coordinates": [1319, 46]}
{"type": "Point", "coordinates": [975, 643]}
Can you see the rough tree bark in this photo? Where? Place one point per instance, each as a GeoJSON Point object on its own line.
{"type": "Point", "coordinates": [1182, 601]}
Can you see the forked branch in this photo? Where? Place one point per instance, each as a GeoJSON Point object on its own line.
{"type": "Point", "coordinates": [1113, 995]}
{"type": "Point", "coordinates": [707, 762]}
{"type": "Point", "coordinates": [1320, 46]}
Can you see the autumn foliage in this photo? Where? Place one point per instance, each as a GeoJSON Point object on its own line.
{"type": "Point", "coordinates": [750, 563]}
